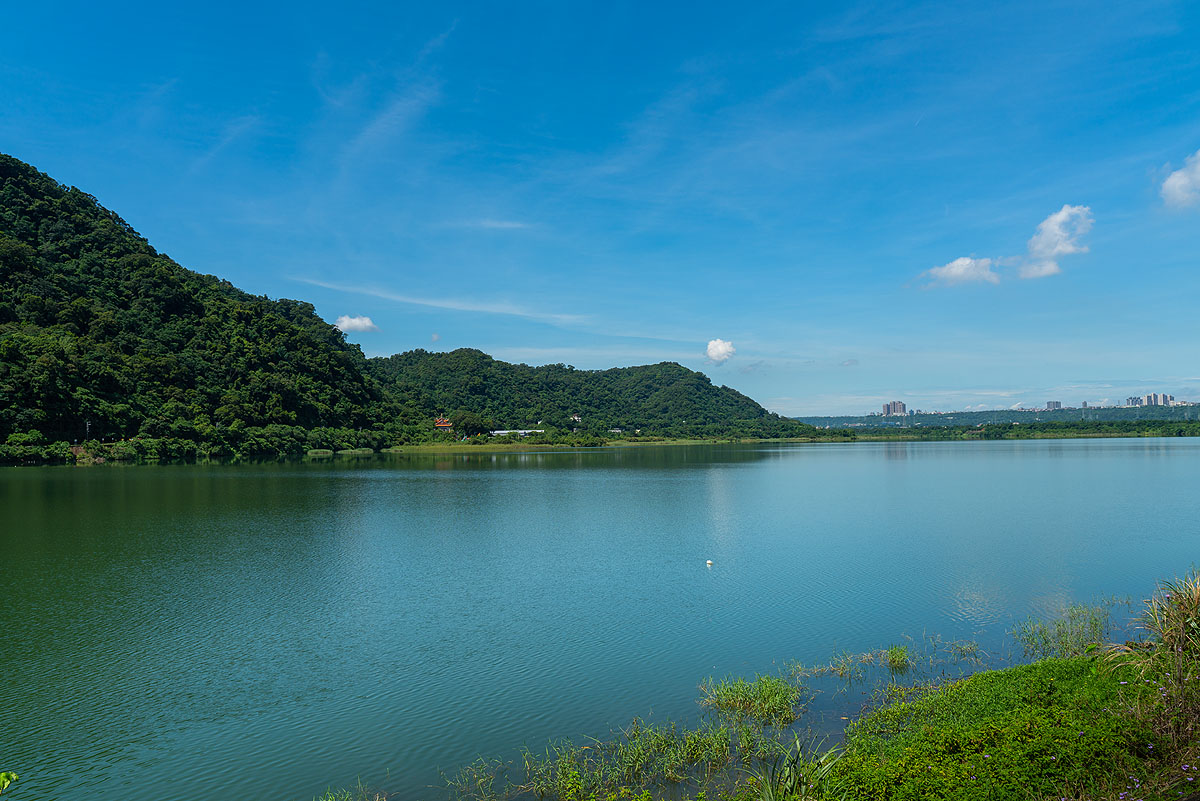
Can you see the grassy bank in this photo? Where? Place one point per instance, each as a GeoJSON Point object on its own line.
{"type": "Point", "coordinates": [1087, 719]}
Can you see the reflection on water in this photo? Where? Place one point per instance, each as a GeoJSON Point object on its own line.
{"type": "Point", "coordinates": [307, 624]}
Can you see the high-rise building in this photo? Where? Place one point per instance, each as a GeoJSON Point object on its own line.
{"type": "Point", "coordinates": [1052, 405]}
{"type": "Point", "coordinates": [1153, 399]}
{"type": "Point", "coordinates": [1084, 406]}
{"type": "Point", "coordinates": [894, 408]}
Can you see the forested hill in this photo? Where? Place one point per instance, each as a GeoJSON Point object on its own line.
{"type": "Point", "coordinates": [102, 338]}
{"type": "Point", "coordinates": [97, 327]}
{"type": "Point", "coordinates": [664, 398]}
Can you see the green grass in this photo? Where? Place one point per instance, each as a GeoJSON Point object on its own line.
{"type": "Point", "coordinates": [1050, 729]}
{"type": "Point", "coordinates": [897, 659]}
{"type": "Point", "coordinates": [766, 700]}
{"type": "Point", "coordinates": [319, 452]}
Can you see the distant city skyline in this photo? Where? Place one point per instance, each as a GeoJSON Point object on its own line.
{"type": "Point", "coordinates": [898, 408]}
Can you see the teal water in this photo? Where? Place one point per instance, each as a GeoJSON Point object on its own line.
{"type": "Point", "coordinates": [264, 631]}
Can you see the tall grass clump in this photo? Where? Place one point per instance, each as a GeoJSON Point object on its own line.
{"type": "Point", "coordinates": [767, 700]}
{"type": "Point", "coordinates": [357, 793]}
{"type": "Point", "coordinates": [1167, 662]}
{"type": "Point", "coordinates": [796, 774]}
{"type": "Point", "coordinates": [897, 659]}
{"type": "Point", "coordinates": [1080, 628]}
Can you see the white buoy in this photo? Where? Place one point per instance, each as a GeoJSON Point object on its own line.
{"type": "Point", "coordinates": [709, 563]}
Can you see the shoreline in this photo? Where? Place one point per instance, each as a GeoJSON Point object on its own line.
{"type": "Point", "coordinates": [145, 451]}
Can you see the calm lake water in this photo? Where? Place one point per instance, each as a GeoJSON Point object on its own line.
{"type": "Point", "coordinates": [265, 631]}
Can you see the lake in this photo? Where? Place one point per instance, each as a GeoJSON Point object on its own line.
{"type": "Point", "coordinates": [268, 630]}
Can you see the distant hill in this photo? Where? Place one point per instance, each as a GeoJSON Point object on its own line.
{"type": "Point", "coordinates": [104, 338]}
{"type": "Point", "coordinates": [665, 398]}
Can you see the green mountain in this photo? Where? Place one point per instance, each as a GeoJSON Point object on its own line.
{"type": "Point", "coordinates": [100, 333]}
{"type": "Point", "coordinates": [104, 338]}
{"type": "Point", "coordinates": [666, 399]}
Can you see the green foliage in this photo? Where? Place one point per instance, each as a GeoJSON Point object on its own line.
{"type": "Point", "coordinates": [1167, 664]}
{"type": "Point", "coordinates": [798, 774]}
{"type": "Point", "coordinates": [767, 700]}
{"type": "Point", "coordinates": [1040, 730]}
{"type": "Point", "coordinates": [897, 659]}
{"type": "Point", "coordinates": [644, 754]}
{"type": "Point", "coordinates": [103, 337]}
{"type": "Point", "coordinates": [7, 777]}
{"type": "Point", "coordinates": [1080, 628]}
{"type": "Point", "coordinates": [661, 399]}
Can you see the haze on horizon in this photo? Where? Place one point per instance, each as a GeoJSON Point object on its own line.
{"type": "Point", "coordinates": [824, 209]}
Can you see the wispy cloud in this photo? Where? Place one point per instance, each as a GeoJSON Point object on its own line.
{"type": "Point", "coordinates": [1057, 235]}
{"type": "Point", "coordinates": [963, 270]}
{"type": "Point", "coordinates": [349, 323]}
{"type": "Point", "coordinates": [232, 131]}
{"type": "Point", "coordinates": [452, 304]}
{"type": "Point", "coordinates": [1182, 187]}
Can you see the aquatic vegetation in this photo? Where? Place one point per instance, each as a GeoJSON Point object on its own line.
{"type": "Point", "coordinates": [897, 659]}
{"type": "Point", "coordinates": [1069, 725]}
{"type": "Point", "coordinates": [1079, 627]}
{"type": "Point", "coordinates": [797, 774]}
{"type": "Point", "coordinates": [644, 754]}
{"type": "Point", "coordinates": [482, 780]}
{"type": "Point", "coordinates": [7, 777]}
{"type": "Point", "coordinates": [965, 650]}
{"type": "Point", "coordinates": [767, 700]}
{"type": "Point", "coordinates": [357, 793]}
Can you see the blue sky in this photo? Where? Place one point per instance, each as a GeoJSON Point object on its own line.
{"type": "Point", "coordinates": [954, 205]}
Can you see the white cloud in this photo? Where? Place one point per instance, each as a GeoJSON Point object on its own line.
{"type": "Point", "coordinates": [436, 336]}
{"type": "Point", "coordinates": [1057, 235]}
{"type": "Point", "coordinates": [963, 270]}
{"type": "Point", "coordinates": [1182, 187]}
{"type": "Point", "coordinates": [348, 323]}
{"type": "Point", "coordinates": [720, 351]}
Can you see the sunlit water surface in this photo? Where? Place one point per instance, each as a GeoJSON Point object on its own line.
{"type": "Point", "coordinates": [265, 631]}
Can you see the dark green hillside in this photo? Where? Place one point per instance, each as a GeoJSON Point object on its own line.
{"type": "Point", "coordinates": [102, 338]}
{"type": "Point", "coordinates": [95, 325]}
{"type": "Point", "coordinates": [665, 399]}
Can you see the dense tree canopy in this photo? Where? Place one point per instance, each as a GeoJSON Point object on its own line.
{"type": "Point", "coordinates": [99, 331]}
{"type": "Point", "coordinates": [665, 399]}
